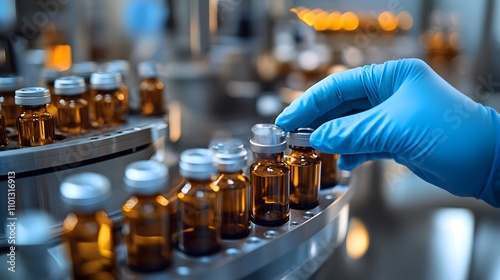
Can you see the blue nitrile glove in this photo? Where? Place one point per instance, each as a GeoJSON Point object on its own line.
{"type": "Point", "coordinates": [411, 115]}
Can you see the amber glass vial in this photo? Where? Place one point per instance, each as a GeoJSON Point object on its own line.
{"type": "Point", "coordinates": [84, 69]}
{"type": "Point", "coordinates": [150, 90]}
{"type": "Point", "coordinates": [73, 109]}
{"type": "Point", "coordinates": [87, 236]}
{"type": "Point", "coordinates": [199, 204]}
{"type": "Point", "coordinates": [234, 186]}
{"type": "Point", "coordinates": [146, 213]}
{"type": "Point", "coordinates": [3, 129]}
{"type": "Point", "coordinates": [8, 85]}
{"type": "Point", "coordinates": [35, 125]}
{"type": "Point", "coordinates": [49, 75]}
{"type": "Point", "coordinates": [269, 176]}
{"type": "Point", "coordinates": [305, 168]}
{"type": "Point", "coordinates": [122, 95]}
{"type": "Point", "coordinates": [103, 102]}
{"type": "Point", "coordinates": [329, 170]}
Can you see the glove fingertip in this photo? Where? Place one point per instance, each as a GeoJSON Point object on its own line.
{"type": "Point", "coordinates": [346, 164]}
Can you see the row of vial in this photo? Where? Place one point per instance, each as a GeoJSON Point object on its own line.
{"type": "Point", "coordinates": [73, 104]}
{"type": "Point", "coordinates": [206, 209]}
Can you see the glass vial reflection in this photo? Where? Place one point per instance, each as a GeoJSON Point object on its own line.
{"type": "Point", "coordinates": [329, 170]}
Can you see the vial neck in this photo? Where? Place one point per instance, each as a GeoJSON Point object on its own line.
{"type": "Point", "coordinates": [231, 172]}
{"type": "Point", "coordinates": [151, 80]}
{"type": "Point", "coordinates": [304, 150]}
{"type": "Point", "coordinates": [270, 157]}
{"type": "Point", "coordinates": [34, 107]}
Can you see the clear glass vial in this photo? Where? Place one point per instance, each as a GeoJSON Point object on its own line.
{"type": "Point", "coordinates": [269, 176]}
{"type": "Point", "coordinates": [49, 75]}
{"type": "Point", "coordinates": [146, 213]}
{"type": "Point", "coordinates": [35, 125]}
{"type": "Point", "coordinates": [88, 231]}
{"type": "Point", "coordinates": [329, 170]}
{"type": "Point", "coordinates": [34, 232]}
{"type": "Point", "coordinates": [199, 204]}
{"type": "Point", "coordinates": [73, 109]}
{"type": "Point", "coordinates": [305, 168]}
{"type": "Point", "coordinates": [8, 86]}
{"type": "Point", "coordinates": [103, 103]}
{"type": "Point", "coordinates": [3, 128]}
{"type": "Point", "coordinates": [234, 186]}
{"type": "Point", "coordinates": [150, 90]}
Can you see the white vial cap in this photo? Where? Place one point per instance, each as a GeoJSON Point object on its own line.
{"type": "Point", "coordinates": [10, 82]}
{"type": "Point", "coordinates": [33, 228]}
{"type": "Point", "coordinates": [197, 164]}
{"type": "Point", "coordinates": [105, 80]}
{"type": "Point", "coordinates": [71, 85]}
{"type": "Point", "coordinates": [51, 74]}
{"type": "Point", "coordinates": [84, 68]}
{"type": "Point", "coordinates": [299, 137]}
{"type": "Point", "coordinates": [267, 138]}
{"type": "Point", "coordinates": [85, 191]}
{"type": "Point", "coordinates": [32, 96]}
{"type": "Point", "coordinates": [147, 69]}
{"type": "Point", "coordinates": [146, 177]}
{"type": "Point", "coordinates": [230, 155]}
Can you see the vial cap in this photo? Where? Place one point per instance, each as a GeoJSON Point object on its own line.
{"type": "Point", "coordinates": [147, 69]}
{"type": "Point", "coordinates": [71, 85]}
{"type": "Point", "coordinates": [105, 80]}
{"type": "Point", "coordinates": [197, 164]}
{"type": "Point", "coordinates": [85, 191]}
{"type": "Point", "coordinates": [267, 138]}
{"type": "Point", "coordinates": [10, 82]}
{"type": "Point", "coordinates": [120, 66]}
{"type": "Point", "coordinates": [84, 68]}
{"type": "Point", "coordinates": [51, 74]}
{"type": "Point", "coordinates": [32, 96]}
{"type": "Point", "coordinates": [33, 228]}
{"type": "Point", "coordinates": [146, 177]}
{"type": "Point", "coordinates": [299, 137]}
{"type": "Point", "coordinates": [230, 155]}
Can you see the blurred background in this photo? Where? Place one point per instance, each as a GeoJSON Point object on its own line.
{"type": "Point", "coordinates": [229, 64]}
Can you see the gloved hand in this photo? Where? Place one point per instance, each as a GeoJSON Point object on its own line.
{"type": "Point", "coordinates": [410, 114]}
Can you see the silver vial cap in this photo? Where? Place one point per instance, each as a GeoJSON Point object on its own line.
{"type": "Point", "coordinates": [51, 74]}
{"type": "Point", "coordinates": [197, 164]}
{"type": "Point", "coordinates": [84, 68]}
{"type": "Point", "coordinates": [33, 228]}
{"type": "Point", "coordinates": [299, 137]}
{"type": "Point", "coordinates": [106, 80]}
{"type": "Point", "coordinates": [267, 138]}
{"type": "Point", "coordinates": [71, 85]}
{"type": "Point", "coordinates": [10, 82]}
{"type": "Point", "coordinates": [230, 155]}
{"type": "Point", "coordinates": [147, 69]}
{"type": "Point", "coordinates": [32, 96]}
{"type": "Point", "coordinates": [146, 177]}
{"type": "Point", "coordinates": [85, 191]}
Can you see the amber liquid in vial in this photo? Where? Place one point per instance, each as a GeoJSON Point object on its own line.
{"type": "Point", "coordinates": [151, 95]}
{"type": "Point", "coordinates": [35, 126]}
{"type": "Point", "coordinates": [103, 107]}
{"type": "Point", "coordinates": [73, 114]}
{"type": "Point", "coordinates": [234, 188]}
{"type": "Point", "coordinates": [328, 170]}
{"type": "Point", "coordinates": [199, 225]}
{"type": "Point", "coordinates": [52, 106]}
{"type": "Point", "coordinates": [305, 167]}
{"type": "Point", "coordinates": [121, 108]}
{"type": "Point", "coordinates": [147, 220]}
{"type": "Point", "coordinates": [88, 238]}
{"type": "Point", "coordinates": [10, 110]}
{"type": "Point", "coordinates": [3, 131]}
{"type": "Point", "coordinates": [270, 191]}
